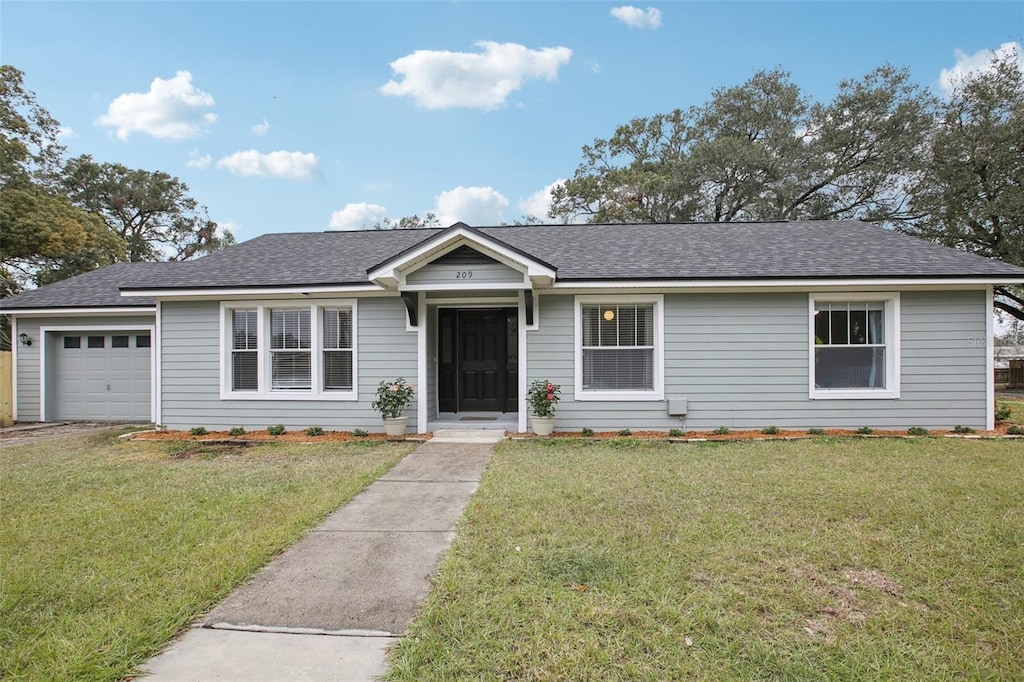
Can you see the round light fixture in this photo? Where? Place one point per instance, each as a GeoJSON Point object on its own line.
{"type": "Point", "coordinates": [609, 315]}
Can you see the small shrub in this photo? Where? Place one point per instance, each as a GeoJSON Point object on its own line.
{"type": "Point", "coordinates": [625, 432]}
{"type": "Point", "coordinates": [676, 433]}
{"type": "Point", "coordinates": [237, 431]}
{"type": "Point", "coordinates": [198, 431]}
{"type": "Point", "coordinates": [962, 429]}
{"type": "Point", "coordinates": [770, 430]}
{"type": "Point", "coordinates": [314, 431]}
{"type": "Point", "coordinates": [721, 431]}
{"type": "Point", "coordinates": [587, 431]}
{"type": "Point", "coordinates": [917, 431]}
{"type": "Point", "coordinates": [865, 430]}
{"type": "Point", "coordinates": [276, 430]}
{"type": "Point", "coordinates": [359, 432]}
{"type": "Point", "coordinates": [1015, 430]}
{"type": "Point", "coordinates": [816, 432]}
{"type": "Point", "coordinates": [1003, 412]}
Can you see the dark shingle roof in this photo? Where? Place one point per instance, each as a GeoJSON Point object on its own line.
{"type": "Point", "coordinates": [96, 289]}
{"type": "Point", "coordinates": [692, 251]}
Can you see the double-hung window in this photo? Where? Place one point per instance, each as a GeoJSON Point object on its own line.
{"type": "Point", "coordinates": [275, 350]}
{"type": "Point", "coordinates": [854, 346]}
{"type": "Point", "coordinates": [619, 348]}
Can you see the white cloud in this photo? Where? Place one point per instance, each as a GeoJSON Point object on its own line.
{"type": "Point", "coordinates": [261, 128]}
{"type": "Point", "coordinates": [279, 164]}
{"type": "Point", "coordinates": [538, 203]}
{"type": "Point", "coordinates": [229, 226]}
{"type": "Point", "coordinates": [358, 216]}
{"type": "Point", "coordinates": [438, 79]}
{"type": "Point", "coordinates": [66, 133]}
{"type": "Point", "coordinates": [634, 17]}
{"type": "Point", "coordinates": [171, 109]}
{"type": "Point", "coordinates": [471, 205]}
{"type": "Point", "coordinates": [980, 61]}
{"type": "Point", "coordinates": [195, 160]}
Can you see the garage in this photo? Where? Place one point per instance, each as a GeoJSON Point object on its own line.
{"type": "Point", "coordinates": [102, 375]}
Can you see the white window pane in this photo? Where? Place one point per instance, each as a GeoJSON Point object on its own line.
{"type": "Point", "coordinates": [337, 370]}
{"type": "Point", "coordinates": [849, 367]}
{"type": "Point", "coordinates": [645, 325]}
{"type": "Point", "coordinates": [618, 370]}
{"type": "Point", "coordinates": [591, 327]}
{"type": "Point", "coordinates": [289, 329]}
{"type": "Point", "coordinates": [876, 328]}
{"type": "Point", "coordinates": [338, 328]}
{"type": "Point", "coordinates": [608, 326]}
{"type": "Point", "coordinates": [290, 370]}
{"type": "Point", "coordinates": [243, 327]}
{"type": "Point", "coordinates": [627, 325]}
{"type": "Point", "coordinates": [244, 371]}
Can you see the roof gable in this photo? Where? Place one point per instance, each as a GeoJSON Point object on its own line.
{"type": "Point", "coordinates": [391, 273]}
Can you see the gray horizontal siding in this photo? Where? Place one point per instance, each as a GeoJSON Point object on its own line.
{"type": "Point", "coordinates": [741, 361]}
{"type": "Point", "coordinates": [459, 276]}
{"type": "Point", "coordinates": [190, 389]}
{"type": "Point", "coordinates": [26, 377]}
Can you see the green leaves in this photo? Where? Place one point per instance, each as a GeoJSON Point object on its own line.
{"type": "Point", "coordinates": [759, 151]}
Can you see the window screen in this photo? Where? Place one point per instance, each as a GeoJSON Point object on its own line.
{"type": "Point", "coordinates": [142, 341]}
{"type": "Point", "coordinates": [244, 350]}
{"type": "Point", "coordinates": [118, 341]}
{"type": "Point", "coordinates": [337, 349]}
{"type": "Point", "coordinates": [97, 342]}
{"type": "Point", "coordinates": [290, 358]}
{"type": "Point", "coordinates": [618, 347]}
{"type": "Point", "coordinates": [72, 341]}
{"type": "Point", "coordinates": [849, 344]}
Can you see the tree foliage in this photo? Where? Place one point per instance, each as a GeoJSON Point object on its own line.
{"type": "Point", "coordinates": [151, 211]}
{"type": "Point", "coordinates": [970, 194]}
{"type": "Point", "coordinates": [759, 151]}
{"type": "Point", "coordinates": [44, 237]}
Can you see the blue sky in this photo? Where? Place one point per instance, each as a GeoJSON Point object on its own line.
{"type": "Point", "coordinates": [304, 116]}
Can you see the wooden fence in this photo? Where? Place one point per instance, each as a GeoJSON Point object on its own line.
{"type": "Point", "coordinates": [1012, 376]}
{"type": "Point", "coordinates": [6, 388]}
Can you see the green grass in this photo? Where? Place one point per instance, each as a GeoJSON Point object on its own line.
{"type": "Point", "coordinates": [1016, 410]}
{"type": "Point", "coordinates": [820, 559]}
{"type": "Point", "coordinates": [108, 548]}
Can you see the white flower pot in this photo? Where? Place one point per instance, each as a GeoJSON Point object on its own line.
{"type": "Point", "coordinates": [543, 426]}
{"type": "Point", "coordinates": [395, 426]}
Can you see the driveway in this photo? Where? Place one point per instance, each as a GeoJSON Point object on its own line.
{"type": "Point", "coordinates": [31, 433]}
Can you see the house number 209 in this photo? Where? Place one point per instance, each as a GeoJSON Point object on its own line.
{"type": "Point", "coordinates": [464, 274]}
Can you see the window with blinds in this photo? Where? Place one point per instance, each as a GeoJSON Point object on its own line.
{"type": "Point", "coordinates": [849, 338]}
{"type": "Point", "coordinates": [244, 350]}
{"type": "Point", "coordinates": [337, 349]}
{"type": "Point", "coordinates": [618, 347]}
{"type": "Point", "coordinates": [290, 350]}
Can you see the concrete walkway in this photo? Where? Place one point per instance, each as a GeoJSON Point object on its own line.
{"type": "Point", "coordinates": [333, 603]}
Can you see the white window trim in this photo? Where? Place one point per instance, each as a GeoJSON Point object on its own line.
{"type": "Point", "coordinates": [891, 300]}
{"type": "Point", "coordinates": [265, 392]}
{"type": "Point", "coordinates": [658, 392]}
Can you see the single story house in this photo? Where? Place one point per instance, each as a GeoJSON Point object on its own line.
{"type": "Point", "coordinates": [646, 327]}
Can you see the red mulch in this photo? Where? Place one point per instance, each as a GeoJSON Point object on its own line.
{"type": "Point", "coordinates": [300, 436]}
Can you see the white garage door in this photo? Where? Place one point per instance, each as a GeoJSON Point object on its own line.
{"type": "Point", "coordinates": [103, 376]}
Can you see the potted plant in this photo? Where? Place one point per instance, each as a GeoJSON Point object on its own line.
{"type": "Point", "coordinates": [392, 397]}
{"type": "Point", "coordinates": [543, 396]}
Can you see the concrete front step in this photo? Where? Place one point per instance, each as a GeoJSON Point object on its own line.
{"type": "Point", "coordinates": [467, 436]}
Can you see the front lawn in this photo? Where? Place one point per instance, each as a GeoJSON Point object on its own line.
{"type": "Point", "coordinates": [820, 559]}
{"type": "Point", "coordinates": [107, 549]}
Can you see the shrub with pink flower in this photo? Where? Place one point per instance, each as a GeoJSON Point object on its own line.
{"type": "Point", "coordinates": [392, 397]}
{"type": "Point", "coordinates": [543, 396]}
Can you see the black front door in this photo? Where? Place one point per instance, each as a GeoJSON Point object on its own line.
{"type": "Point", "coordinates": [478, 360]}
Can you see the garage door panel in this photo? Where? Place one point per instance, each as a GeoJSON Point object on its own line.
{"type": "Point", "coordinates": [102, 383]}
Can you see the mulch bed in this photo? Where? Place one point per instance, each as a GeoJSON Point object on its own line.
{"type": "Point", "coordinates": [264, 437]}
{"type": "Point", "coordinates": [300, 436]}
